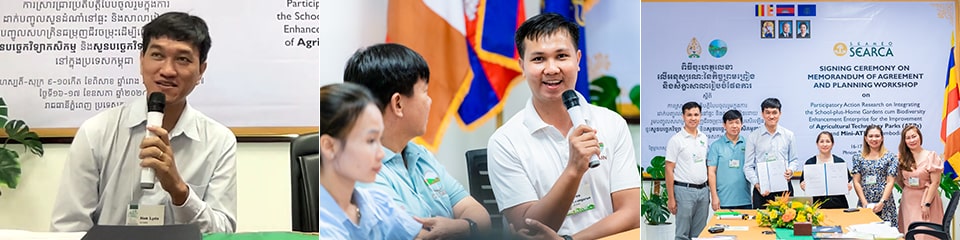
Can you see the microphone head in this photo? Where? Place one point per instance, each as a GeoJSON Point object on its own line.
{"type": "Point", "coordinates": [570, 99]}
{"type": "Point", "coordinates": [156, 102]}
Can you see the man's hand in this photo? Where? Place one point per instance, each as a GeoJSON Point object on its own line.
{"type": "Point", "coordinates": [583, 144]}
{"type": "Point", "coordinates": [536, 231]}
{"type": "Point", "coordinates": [715, 203]}
{"type": "Point", "coordinates": [788, 174]}
{"type": "Point", "coordinates": [155, 153]}
{"type": "Point", "coordinates": [443, 228]}
{"type": "Point", "coordinates": [672, 205]}
{"type": "Point", "coordinates": [763, 193]}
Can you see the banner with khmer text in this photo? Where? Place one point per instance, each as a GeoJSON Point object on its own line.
{"type": "Point", "coordinates": [835, 67]}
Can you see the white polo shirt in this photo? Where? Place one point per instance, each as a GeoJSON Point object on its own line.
{"type": "Point", "coordinates": [690, 154]}
{"type": "Point", "coordinates": [526, 157]}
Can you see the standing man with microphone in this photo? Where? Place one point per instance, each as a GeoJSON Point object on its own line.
{"type": "Point", "coordinates": [539, 160]}
{"type": "Point", "coordinates": [192, 156]}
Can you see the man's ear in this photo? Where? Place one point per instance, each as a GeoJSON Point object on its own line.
{"type": "Point", "coordinates": [578, 59]}
{"type": "Point", "coordinates": [203, 68]}
{"type": "Point", "coordinates": [328, 147]}
{"type": "Point", "coordinates": [395, 106]}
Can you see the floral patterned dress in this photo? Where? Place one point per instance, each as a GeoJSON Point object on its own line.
{"type": "Point", "coordinates": [878, 169]}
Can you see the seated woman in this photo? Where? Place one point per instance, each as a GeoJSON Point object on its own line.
{"type": "Point", "coordinates": [350, 152]}
{"type": "Point", "coordinates": [825, 145]}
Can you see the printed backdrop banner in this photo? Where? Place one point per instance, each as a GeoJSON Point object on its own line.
{"type": "Point", "coordinates": [835, 67]}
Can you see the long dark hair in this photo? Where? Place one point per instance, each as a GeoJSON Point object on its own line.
{"type": "Point", "coordinates": [906, 156]}
{"type": "Point", "coordinates": [340, 106]}
{"type": "Point", "coordinates": [866, 146]}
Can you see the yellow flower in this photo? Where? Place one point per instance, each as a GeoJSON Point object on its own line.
{"type": "Point", "coordinates": [819, 217]}
{"type": "Point", "coordinates": [802, 218]}
{"type": "Point", "coordinates": [796, 205]}
{"type": "Point", "coordinates": [773, 214]}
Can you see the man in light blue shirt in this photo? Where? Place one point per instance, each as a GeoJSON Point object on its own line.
{"type": "Point", "coordinates": [770, 143]}
{"type": "Point", "coordinates": [398, 76]}
{"type": "Point", "coordinates": [729, 188]}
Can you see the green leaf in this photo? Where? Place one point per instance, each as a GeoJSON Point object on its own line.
{"type": "Point", "coordinates": [656, 169]}
{"type": "Point", "coordinates": [3, 112]}
{"type": "Point", "coordinates": [607, 94]}
{"type": "Point", "coordinates": [9, 168]}
{"type": "Point", "coordinates": [635, 95]}
{"type": "Point", "coordinates": [19, 131]}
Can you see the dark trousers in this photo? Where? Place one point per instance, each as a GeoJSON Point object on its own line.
{"type": "Point", "coordinates": [759, 201]}
{"type": "Point", "coordinates": [832, 202]}
{"type": "Point", "coordinates": [748, 206]}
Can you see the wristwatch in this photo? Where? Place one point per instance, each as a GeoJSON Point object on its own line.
{"type": "Point", "coordinates": [566, 237]}
{"type": "Point", "coordinates": [473, 226]}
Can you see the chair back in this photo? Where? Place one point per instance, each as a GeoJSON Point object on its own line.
{"type": "Point", "coordinates": [305, 182]}
{"type": "Point", "coordinates": [480, 187]}
{"type": "Point", "coordinates": [950, 210]}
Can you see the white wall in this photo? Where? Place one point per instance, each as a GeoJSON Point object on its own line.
{"type": "Point", "coordinates": [263, 189]}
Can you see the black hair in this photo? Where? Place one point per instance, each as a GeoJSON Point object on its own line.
{"type": "Point", "coordinates": [770, 103]}
{"type": "Point", "coordinates": [689, 105]}
{"type": "Point", "coordinates": [178, 26]}
{"type": "Point", "coordinates": [544, 25]}
{"type": "Point", "coordinates": [731, 115]}
{"type": "Point", "coordinates": [385, 69]}
{"type": "Point", "coordinates": [829, 135]}
{"type": "Point", "coordinates": [340, 106]}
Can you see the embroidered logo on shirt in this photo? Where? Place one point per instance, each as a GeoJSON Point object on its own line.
{"type": "Point", "coordinates": [432, 179]}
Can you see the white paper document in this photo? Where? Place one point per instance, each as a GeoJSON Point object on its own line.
{"type": "Point", "coordinates": [771, 176]}
{"type": "Point", "coordinates": [825, 179]}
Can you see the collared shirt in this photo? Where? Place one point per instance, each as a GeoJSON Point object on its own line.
{"type": "Point", "coordinates": [422, 186]}
{"type": "Point", "coordinates": [763, 146]}
{"type": "Point", "coordinates": [380, 218]}
{"type": "Point", "coordinates": [732, 186]}
{"type": "Point", "coordinates": [689, 152]}
{"type": "Point", "coordinates": [526, 157]}
{"type": "Point", "coordinates": [102, 172]}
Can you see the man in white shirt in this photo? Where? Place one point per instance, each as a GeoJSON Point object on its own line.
{"type": "Point", "coordinates": [538, 160]}
{"type": "Point", "coordinates": [768, 144]}
{"type": "Point", "coordinates": [686, 175]}
{"type": "Point", "coordinates": [192, 155]}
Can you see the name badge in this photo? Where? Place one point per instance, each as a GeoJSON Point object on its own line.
{"type": "Point", "coordinates": [913, 181]}
{"type": "Point", "coordinates": [144, 215]}
{"type": "Point", "coordinates": [771, 157]}
{"type": "Point", "coordinates": [698, 159]}
{"type": "Point", "coordinates": [583, 201]}
{"type": "Point", "coordinates": [734, 163]}
{"type": "Point", "coordinates": [870, 179]}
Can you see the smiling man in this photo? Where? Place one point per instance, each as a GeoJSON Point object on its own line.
{"type": "Point", "coordinates": [538, 160]}
{"type": "Point", "coordinates": [193, 156]}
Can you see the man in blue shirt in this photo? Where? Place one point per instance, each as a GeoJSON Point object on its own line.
{"type": "Point", "coordinates": [729, 188]}
{"type": "Point", "coordinates": [398, 76]}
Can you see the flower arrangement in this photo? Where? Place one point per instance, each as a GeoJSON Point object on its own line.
{"type": "Point", "coordinates": [783, 213]}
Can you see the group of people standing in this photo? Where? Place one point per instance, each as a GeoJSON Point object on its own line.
{"type": "Point", "coordinates": [723, 174]}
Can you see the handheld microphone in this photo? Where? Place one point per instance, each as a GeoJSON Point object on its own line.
{"type": "Point", "coordinates": [572, 101]}
{"type": "Point", "coordinates": [155, 104]}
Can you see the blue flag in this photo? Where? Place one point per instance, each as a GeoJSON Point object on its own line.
{"type": "Point", "coordinates": [575, 13]}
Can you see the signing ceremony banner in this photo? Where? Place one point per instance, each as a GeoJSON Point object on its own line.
{"type": "Point", "coordinates": [835, 66]}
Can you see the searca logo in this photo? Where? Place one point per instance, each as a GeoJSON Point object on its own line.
{"type": "Point", "coordinates": [863, 49]}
